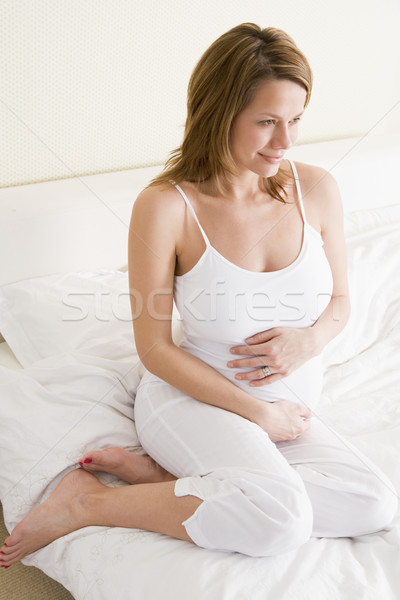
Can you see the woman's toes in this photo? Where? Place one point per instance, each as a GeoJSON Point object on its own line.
{"type": "Point", "coordinates": [126, 465]}
{"type": "Point", "coordinates": [6, 548]}
{"type": "Point", "coordinates": [7, 562]}
{"type": "Point", "coordinates": [103, 460]}
{"type": "Point", "coordinates": [10, 553]}
{"type": "Point", "coordinates": [88, 462]}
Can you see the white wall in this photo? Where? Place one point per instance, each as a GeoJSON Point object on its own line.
{"type": "Point", "coordinates": [93, 86]}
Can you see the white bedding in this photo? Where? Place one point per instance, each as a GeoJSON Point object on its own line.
{"type": "Point", "coordinates": [73, 335]}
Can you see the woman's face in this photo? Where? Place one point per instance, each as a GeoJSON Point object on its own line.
{"type": "Point", "coordinates": [264, 130]}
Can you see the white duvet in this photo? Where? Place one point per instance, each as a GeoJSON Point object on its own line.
{"type": "Point", "coordinates": [73, 335]}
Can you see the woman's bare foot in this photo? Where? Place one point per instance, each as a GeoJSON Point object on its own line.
{"type": "Point", "coordinates": [62, 513]}
{"type": "Point", "coordinates": [129, 467]}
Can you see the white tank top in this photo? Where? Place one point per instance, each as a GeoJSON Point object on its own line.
{"type": "Point", "coordinates": [221, 304]}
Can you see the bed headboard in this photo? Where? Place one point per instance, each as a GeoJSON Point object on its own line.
{"type": "Point", "coordinates": [82, 223]}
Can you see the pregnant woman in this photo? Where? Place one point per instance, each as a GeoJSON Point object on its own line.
{"type": "Point", "coordinates": [250, 246]}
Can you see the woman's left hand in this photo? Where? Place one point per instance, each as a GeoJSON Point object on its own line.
{"type": "Point", "coordinates": [281, 349]}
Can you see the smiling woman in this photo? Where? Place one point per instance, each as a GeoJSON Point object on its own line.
{"type": "Point", "coordinates": [255, 137]}
{"type": "Point", "coordinates": [222, 85]}
{"type": "Point", "coordinates": [235, 461]}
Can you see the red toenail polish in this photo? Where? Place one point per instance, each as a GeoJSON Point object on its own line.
{"type": "Point", "coordinates": [81, 464]}
{"type": "Point", "coordinates": [87, 460]}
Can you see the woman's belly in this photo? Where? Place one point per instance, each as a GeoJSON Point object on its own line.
{"type": "Point", "coordinates": [303, 386]}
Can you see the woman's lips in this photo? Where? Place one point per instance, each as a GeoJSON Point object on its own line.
{"type": "Point", "coordinates": [272, 159]}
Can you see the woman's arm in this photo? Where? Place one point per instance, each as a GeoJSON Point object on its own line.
{"type": "Point", "coordinates": [157, 219]}
{"type": "Point", "coordinates": [334, 318]}
{"type": "Point", "coordinates": [285, 349]}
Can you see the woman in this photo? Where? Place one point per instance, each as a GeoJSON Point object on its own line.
{"type": "Point", "coordinates": [257, 267]}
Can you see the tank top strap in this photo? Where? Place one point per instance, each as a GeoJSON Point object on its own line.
{"type": "Point", "coordinates": [186, 199]}
{"type": "Point", "coordinates": [299, 194]}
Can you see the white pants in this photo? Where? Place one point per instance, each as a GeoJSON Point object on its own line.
{"type": "Point", "coordinates": [260, 498]}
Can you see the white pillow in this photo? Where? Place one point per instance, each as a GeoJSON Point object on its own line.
{"type": "Point", "coordinates": [44, 316]}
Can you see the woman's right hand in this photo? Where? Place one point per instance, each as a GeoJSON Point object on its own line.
{"type": "Point", "coordinates": [283, 420]}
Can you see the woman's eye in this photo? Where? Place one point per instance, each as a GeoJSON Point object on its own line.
{"type": "Point", "coordinates": [272, 121]}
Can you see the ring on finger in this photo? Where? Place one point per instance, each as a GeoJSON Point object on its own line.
{"type": "Point", "coordinates": [267, 371]}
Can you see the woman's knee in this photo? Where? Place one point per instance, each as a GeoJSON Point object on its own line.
{"type": "Point", "coordinates": [381, 508]}
{"type": "Point", "coordinates": [372, 509]}
{"type": "Point", "coordinates": [250, 519]}
{"type": "Point", "coordinates": [285, 536]}
{"type": "Point", "coordinates": [286, 526]}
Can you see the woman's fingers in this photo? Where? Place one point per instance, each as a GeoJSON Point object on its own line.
{"type": "Point", "coordinates": [265, 380]}
{"type": "Point", "coordinates": [305, 412]}
{"type": "Point", "coordinates": [248, 349]}
{"type": "Point", "coordinates": [240, 362]}
{"type": "Point", "coordinates": [255, 374]}
{"type": "Point", "coordinates": [255, 361]}
{"type": "Point", "coordinates": [263, 336]}
{"type": "Point", "coordinates": [284, 420]}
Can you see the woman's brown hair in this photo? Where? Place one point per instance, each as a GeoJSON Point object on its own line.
{"type": "Point", "coordinates": [223, 83]}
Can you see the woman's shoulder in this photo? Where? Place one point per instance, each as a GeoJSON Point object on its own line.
{"type": "Point", "coordinates": [321, 194]}
{"type": "Point", "coordinates": [162, 199]}
{"type": "Point", "coordinates": [314, 179]}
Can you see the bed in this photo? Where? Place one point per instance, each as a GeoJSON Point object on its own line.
{"type": "Point", "coordinates": [69, 370]}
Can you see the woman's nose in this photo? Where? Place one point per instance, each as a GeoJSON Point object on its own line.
{"type": "Point", "coordinates": [282, 138]}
